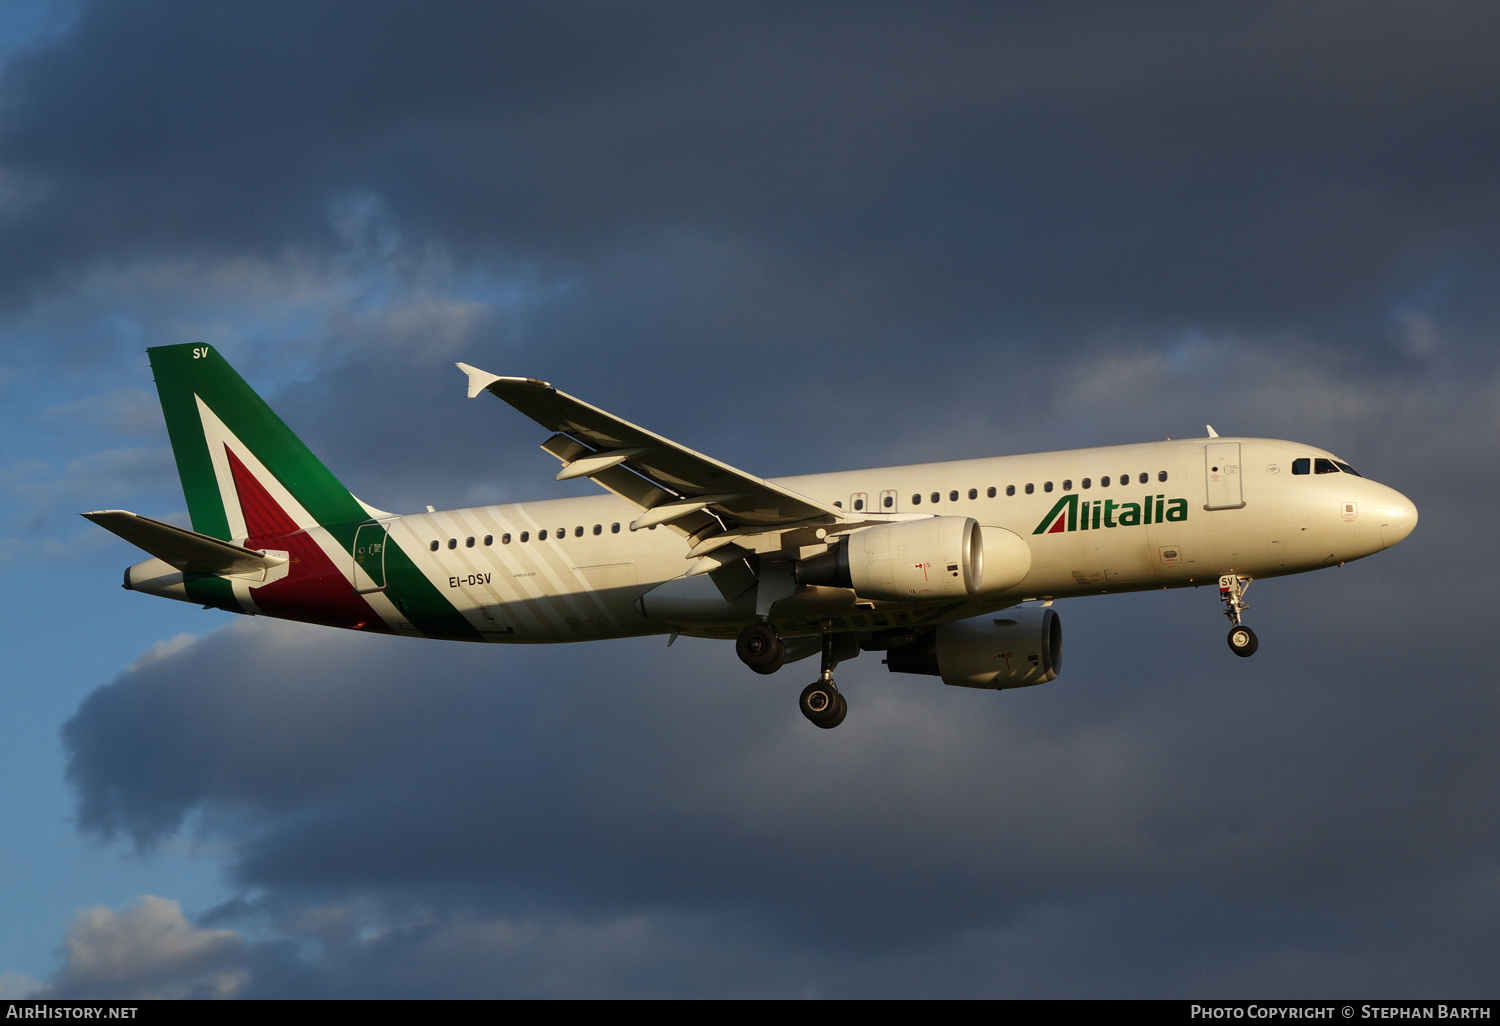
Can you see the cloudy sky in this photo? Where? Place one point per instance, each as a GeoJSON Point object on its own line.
{"type": "Point", "coordinates": [797, 237]}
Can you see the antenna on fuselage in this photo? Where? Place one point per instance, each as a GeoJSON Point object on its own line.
{"type": "Point", "coordinates": [1211, 432]}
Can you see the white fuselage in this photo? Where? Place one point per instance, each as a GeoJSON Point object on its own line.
{"type": "Point", "coordinates": [1172, 514]}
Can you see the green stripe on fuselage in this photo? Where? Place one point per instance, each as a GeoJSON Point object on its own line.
{"type": "Point", "coordinates": [420, 601]}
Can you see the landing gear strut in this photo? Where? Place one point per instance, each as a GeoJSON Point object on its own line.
{"type": "Point", "coordinates": [1232, 588]}
{"type": "Point", "coordinates": [821, 701]}
{"type": "Point", "coordinates": [760, 648]}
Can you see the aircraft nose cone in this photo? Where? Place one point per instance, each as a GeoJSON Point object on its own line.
{"type": "Point", "coordinates": [1398, 515]}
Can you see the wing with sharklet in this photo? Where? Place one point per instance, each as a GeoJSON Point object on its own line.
{"type": "Point", "coordinates": [710, 502]}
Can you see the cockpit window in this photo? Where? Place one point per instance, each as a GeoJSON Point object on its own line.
{"type": "Point", "coordinates": [1346, 468]}
{"type": "Point", "coordinates": [1302, 466]}
{"type": "Point", "coordinates": [1322, 466]}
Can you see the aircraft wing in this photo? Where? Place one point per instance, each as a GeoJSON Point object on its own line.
{"type": "Point", "coordinates": [188, 551]}
{"type": "Point", "coordinates": [671, 483]}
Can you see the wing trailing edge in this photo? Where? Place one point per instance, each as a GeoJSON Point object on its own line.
{"type": "Point", "coordinates": [673, 485]}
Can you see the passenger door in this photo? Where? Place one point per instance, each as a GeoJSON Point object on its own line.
{"type": "Point", "coordinates": [1221, 471]}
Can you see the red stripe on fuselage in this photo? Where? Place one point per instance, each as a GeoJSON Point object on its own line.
{"type": "Point", "coordinates": [314, 590]}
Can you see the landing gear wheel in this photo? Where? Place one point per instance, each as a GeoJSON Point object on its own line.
{"type": "Point", "coordinates": [1242, 640]}
{"type": "Point", "coordinates": [822, 704]}
{"type": "Point", "coordinates": [760, 648]}
{"type": "Point", "coordinates": [839, 717]}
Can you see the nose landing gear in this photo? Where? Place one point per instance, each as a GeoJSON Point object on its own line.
{"type": "Point", "coordinates": [1232, 588]}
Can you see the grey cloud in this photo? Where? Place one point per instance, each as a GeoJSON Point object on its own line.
{"type": "Point", "coordinates": [612, 781]}
{"type": "Point", "coordinates": [973, 165]}
{"type": "Point", "coordinates": [150, 951]}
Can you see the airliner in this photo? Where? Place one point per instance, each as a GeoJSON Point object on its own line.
{"type": "Point", "coordinates": [948, 569]}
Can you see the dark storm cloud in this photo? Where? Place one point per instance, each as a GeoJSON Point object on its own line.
{"type": "Point", "coordinates": [971, 166]}
{"type": "Point", "coordinates": [471, 785]}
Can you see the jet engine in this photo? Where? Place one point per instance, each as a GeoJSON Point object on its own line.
{"type": "Point", "coordinates": [939, 558]}
{"type": "Point", "coordinates": [913, 561]}
{"type": "Point", "coordinates": [1015, 648]}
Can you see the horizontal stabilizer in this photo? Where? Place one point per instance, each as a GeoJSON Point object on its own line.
{"type": "Point", "coordinates": [188, 551]}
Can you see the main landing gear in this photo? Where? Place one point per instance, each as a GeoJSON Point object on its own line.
{"type": "Point", "coordinates": [1232, 588]}
{"type": "Point", "coordinates": [760, 648]}
{"type": "Point", "coordinates": [822, 702]}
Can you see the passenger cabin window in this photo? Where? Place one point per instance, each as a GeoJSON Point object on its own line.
{"type": "Point", "coordinates": [526, 536]}
{"type": "Point", "coordinates": [890, 500]}
{"type": "Point", "coordinates": [1088, 483]}
{"type": "Point", "coordinates": [598, 529]}
{"type": "Point", "coordinates": [434, 546]}
{"type": "Point", "coordinates": [990, 491]}
{"type": "Point", "coordinates": [1067, 486]}
{"type": "Point", "coordinates": [1030, 488]}
{"type": "Point", "coordinates": [1047, 487]}
{"type": "Point", "coordinates": [541, 536]}
{"type": "Point", "coordinates": [614, 528]}
{"type": "Point", "coordinates": [1104, 481]}
{"type": "Point", "coordinates": [936, 496]}
{"type": "Point", "coordinates": [916, 500]}
{"type": "Point", "coordinates": [1145, 477]}
{"type": "Point", "coordinates": [839, 504]}
{"type": "Point", "coordinates": [1161, 475]}
{"type": "Point", "coordinates": [1010, 489]}
{"type": "Point", "coordinates": [953, 495]}
{"type": "Point", "coordinates": [1302, 466]}
{"type": "Point", "coordinates": [973, 493]}
{"type": "Point", "coordinates": [469, 542]}
{"type": "Point", "coordinates": [505, 539]}
{"type": "Point", "coordinates": [453, 543]}
{"type": "Point", "coordinates": [489, 540]}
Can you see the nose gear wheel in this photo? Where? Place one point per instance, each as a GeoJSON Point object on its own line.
{"type": "Point", "coordinates": [1242, 641]}
{"type": "Point", "coordinates": [1232, 588]}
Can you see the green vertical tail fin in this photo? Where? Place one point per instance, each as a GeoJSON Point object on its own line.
{"type": "Point", "coordinates": [233, 452]}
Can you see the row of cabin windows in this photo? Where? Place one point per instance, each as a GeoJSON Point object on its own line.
{"type": "Point", "coordinates": [1104, 482]}
{"type": "Point", "coordinates": [562, 532]}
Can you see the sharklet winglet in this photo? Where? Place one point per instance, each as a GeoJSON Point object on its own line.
{"type": "Point", "coordinates": [479, 380]}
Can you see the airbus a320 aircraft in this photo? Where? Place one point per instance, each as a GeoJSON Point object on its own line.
{"type": "Point", "coordinates": [950, 569]}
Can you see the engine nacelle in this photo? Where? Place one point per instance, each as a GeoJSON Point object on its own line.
{"type": "Point", "coordinates": [939, 558]}
{"type": "Point", "coordinates": [1012, 649]}
{"type": "Point", "coordinates": [1007, 561]}
{"type": "Point", "coordinates": [917, 560]}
